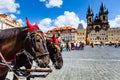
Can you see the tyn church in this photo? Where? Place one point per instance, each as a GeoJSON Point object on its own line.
{"type": "Point", "coordinates": [97, 26]}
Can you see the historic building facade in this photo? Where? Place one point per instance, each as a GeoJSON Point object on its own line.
{"type": "Point", "coordinates": [6, 21]}
{"type": "Point", "coordinates": [81, 33]}
{"type": "Point", "coordinates": [67, 33]}
{"type": "Point", "coordinates": [97, 30]}
{"type": "Point", "coordinates": [114, 35]}
{"type": "Point", "coordinates": [97, 26]}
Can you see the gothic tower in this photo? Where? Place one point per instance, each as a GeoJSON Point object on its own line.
{"type": "Point", "coordinates": [103, 14]}
{"type": "Point", "coordinates": [89, 17]}
{"type": "Point", "coordinates": [97, 26]}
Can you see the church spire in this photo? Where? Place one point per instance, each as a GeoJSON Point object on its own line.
{"type": "Point", "coordinates": [89, 12]}
{"type": "Point", "coordinates": [103, 9]}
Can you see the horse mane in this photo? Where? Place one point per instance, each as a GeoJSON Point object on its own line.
{"type": "Point", "coordinates": [8, 34]}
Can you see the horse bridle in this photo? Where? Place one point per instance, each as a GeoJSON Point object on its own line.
{"type": "Point", "coordinates": [53, 45]}
{"type": "Point", "coordinates": [32, 40]}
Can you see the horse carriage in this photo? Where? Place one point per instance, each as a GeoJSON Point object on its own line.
{"type": "Point", "coordinates": [23, 45]}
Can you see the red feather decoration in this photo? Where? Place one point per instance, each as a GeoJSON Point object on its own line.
{"type": "Point", "coordinates": [30, 26]}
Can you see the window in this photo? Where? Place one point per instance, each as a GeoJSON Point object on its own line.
{"type": "Point", "coordinates": [103, 17]}
{"type": "Point", "coordinates": [89, 19]}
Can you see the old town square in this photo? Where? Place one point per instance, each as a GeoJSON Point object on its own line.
{"type": "Point", "coordinates": [98, 63]}
{"type": "Point", "coordinates": [60, 40]}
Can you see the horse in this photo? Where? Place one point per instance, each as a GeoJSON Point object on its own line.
{"type": "Point", "coordinates": [22, 60]}
{"type": "Point", "coordinates": [15, 39]}
{"type": "Point", "coordinates": [55, 55]}
{"type": "Point", "coordinates": [55, 51]}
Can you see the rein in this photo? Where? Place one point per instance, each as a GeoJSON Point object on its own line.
{"type": "Point", "coordinates": [31, 39]}
{"type": "Point", "coordinates": [31, 57]}
{"type": "Point", "coordinates": [4, 63]}
{"type": "Point", "coordinates": [56, 46]}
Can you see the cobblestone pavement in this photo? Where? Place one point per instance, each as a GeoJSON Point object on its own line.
{"type": "Point", "coordinates": [89, 64]}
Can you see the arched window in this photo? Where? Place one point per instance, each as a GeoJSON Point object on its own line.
{"type": "Point", "coordinates": [103, 17]}
{"type": "Point", "coordinates": [89, 19]}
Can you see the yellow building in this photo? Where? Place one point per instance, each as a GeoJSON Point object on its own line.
{"type": "Point", "coordinates": [81, 33]}
{"type": "Point", "coordinates": [6, 21]}
{"type": "Point", "coordinates": [114, 35]}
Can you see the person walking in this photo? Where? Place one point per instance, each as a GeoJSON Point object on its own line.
{"type": "Point", "coordinates": [77, 46]}
{"type": "Point", "coordinates": [67, 46]}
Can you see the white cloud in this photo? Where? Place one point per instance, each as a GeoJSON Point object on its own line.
{"type": "Point", "coordinates": [83, 23]}
{"type": "Point", "coordinates": [45, 24]}
{"type": "Point", "coordinates": [68, 19]}
{"type": "Point", "coordinates": [20, 20]}
{"type": "Point", "coordinates": [8, 6]}
{"type": "Point", "coordinates": [18, 12]}
{"type": "Point", "coordinates": [115, 22]}
{"type": "Point", "coordinates": [13, 16]}
{"type": "Point", "coordinates": [52, 3]}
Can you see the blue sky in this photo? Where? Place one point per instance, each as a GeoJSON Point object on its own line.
{"type": "Point", "coordinates": [56, 13]}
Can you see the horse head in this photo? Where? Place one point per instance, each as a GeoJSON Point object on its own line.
{"type": "Point", "coordinates": [54, 50]}
{"type": "Point", "coordinates": [13, 40]}
{"type": "Point", "coordinates": [35, 42]}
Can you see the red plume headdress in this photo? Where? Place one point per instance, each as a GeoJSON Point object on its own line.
{"type": "Point", "coordinates": [54, 39]}
{"type": "Point", "coordinates": [30, 26]}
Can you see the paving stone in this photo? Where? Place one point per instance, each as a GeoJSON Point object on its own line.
{"type": "Point", "coordinates": [89, 64]}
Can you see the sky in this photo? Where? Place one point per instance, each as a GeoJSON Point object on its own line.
{"type": "Point", "coordinates": [56, 13]}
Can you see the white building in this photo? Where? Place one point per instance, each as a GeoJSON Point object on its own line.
{"type": "Point", "coordinates": [67, 33]}
{"type": "Point", "coordinates": [6, 21]}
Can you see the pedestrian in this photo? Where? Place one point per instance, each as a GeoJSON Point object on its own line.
{"type": "Point", "coordinates": [77, 46]}
{"type": "Point", "coordinates": [67, 46]}
{"type": "Point", "coordinates": [83, 45]}
{"type": "Point", "coordinates": [80, 45]}
{"type": "Point", "coordinates": [92, 45]}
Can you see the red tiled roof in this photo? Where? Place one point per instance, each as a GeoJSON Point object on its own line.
{"type": "Point", "coordinates": [62, 28]}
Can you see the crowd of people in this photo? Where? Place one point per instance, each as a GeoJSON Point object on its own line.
{"type": "Point", "coordinates": [116, 45]}
{"type": "Point", "coordinates": [68, 46]}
